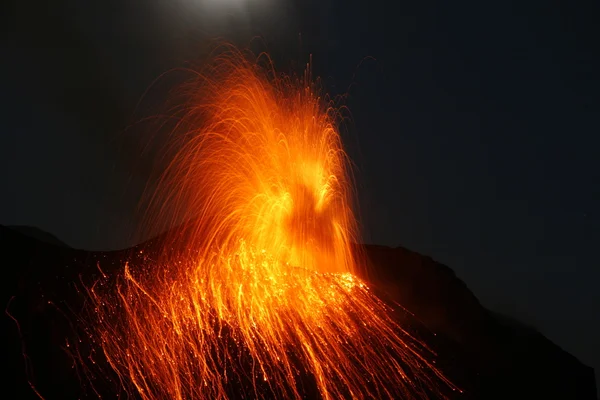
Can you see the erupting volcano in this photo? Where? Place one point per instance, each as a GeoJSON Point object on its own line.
{"type": "Point", "coordinates": [267, 290]}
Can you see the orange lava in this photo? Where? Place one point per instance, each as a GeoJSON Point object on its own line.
{"type": "Point", "coordinates": [268, 292]}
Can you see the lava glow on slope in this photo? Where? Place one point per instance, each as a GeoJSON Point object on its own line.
{"type": "Point", "coordinates": [266, 299]}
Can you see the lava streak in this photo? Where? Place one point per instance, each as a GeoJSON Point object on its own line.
{"type": "Point", "coordinates": [265, 301]}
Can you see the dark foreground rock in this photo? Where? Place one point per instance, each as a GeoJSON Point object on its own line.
{"type": "Point", "coordinates": [489, 356]}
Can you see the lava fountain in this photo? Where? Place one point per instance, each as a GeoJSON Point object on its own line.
{"type": "Point", "coordinates": [265, 301]}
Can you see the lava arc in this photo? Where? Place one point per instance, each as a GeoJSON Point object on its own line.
{"type": "Point", "coordinates": [267, 290]}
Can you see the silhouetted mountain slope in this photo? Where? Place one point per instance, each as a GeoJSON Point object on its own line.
{"type": "Point", "coordinates": [485, 354]}
{"type": "Point", "coordinates": [38, 234]}
{"type": "Point", "coordinates": [510, 360]}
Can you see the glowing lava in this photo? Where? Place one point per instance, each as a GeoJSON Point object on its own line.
{"type": "Point", "coordinates": [267, 293]}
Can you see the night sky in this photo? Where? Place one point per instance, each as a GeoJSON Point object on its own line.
{"type": "Point", "coordinates": [474, 128]}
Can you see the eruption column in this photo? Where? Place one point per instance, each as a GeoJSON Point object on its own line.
{"type": "Point", "coordinates": [265, 298]}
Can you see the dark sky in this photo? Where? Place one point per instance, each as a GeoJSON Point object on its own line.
{"type": "Point", "coordinates": [475, 128]}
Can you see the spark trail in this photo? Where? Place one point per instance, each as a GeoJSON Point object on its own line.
{"type": "Point", "coordinates": [267, 292]}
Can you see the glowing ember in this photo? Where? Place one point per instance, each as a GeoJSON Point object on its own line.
{"type": "Point", "coordinates": [267, 294]}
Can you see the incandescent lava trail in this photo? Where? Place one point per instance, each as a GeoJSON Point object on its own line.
{"type": "Point", "coordinates": [265, 300]}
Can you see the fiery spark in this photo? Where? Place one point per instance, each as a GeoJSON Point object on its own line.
{"type": "Point", "coordinates": [266, 298]}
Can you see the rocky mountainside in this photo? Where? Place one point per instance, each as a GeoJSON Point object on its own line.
{"type": "Point", "coordinates": [488, 355]}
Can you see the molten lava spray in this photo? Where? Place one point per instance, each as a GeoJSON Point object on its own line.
{"type": "Point", "coordinates": [265, 301]}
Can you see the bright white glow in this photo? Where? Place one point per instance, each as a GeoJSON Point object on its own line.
{"type": "Point", "coordinates": [223, 17]}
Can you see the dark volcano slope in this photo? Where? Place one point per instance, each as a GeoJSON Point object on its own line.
{"type": "Point", "coordinates": [489, 356]}
{"type": "Point", "coordinates": [508, 359]}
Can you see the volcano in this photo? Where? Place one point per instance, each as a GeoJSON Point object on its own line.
{"type": "Point", "coordinates": [488, 356]}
